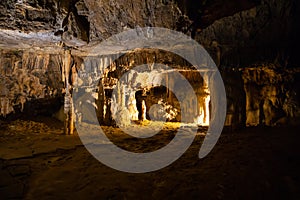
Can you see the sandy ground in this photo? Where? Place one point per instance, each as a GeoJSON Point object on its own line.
{"type": "Point", "coordinates": [38, 162]}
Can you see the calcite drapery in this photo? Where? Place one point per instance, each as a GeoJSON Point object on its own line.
{"type": "Point", "coordinates": [26, 76]}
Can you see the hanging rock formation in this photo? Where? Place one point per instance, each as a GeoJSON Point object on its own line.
{"type": "Point", "coordinates": [260, 78]}
{"type": "Point", "coordinates": [28, 76]}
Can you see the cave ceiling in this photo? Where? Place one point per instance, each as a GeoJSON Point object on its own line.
{"type": "Point", "coordinates": [259, 28]}
{"type": "Point", "coordinates": [40, 23]}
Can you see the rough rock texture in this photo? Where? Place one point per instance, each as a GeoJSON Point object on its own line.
{"type": "Point", "coordinates": [33, 15]}
{"type": "Point", "coordinates": [138, 85]}
{"type": "Point", "coordinates": [271, 95]}
{"type": "Point", "coordinates": [267, 32]}
{"type": "Point", "coordinates": [27, 76]}
{"type": "Point", "coordinates": [87, 20]}
{"type": "Point", "coordinates": [256, 50]}
{"type": "Point", "coordinates": [235, 96]}
{"type": "Point", "coordinates": [263, 94]}
{"type": "Point", "coordinates": [35, 33]}
{"type": "Point", "coordinates": [111, 17]}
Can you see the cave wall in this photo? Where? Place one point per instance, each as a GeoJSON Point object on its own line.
{"type": "Point", "coordinates": [235, 96]}
{"type": "Point", "coordinates": [255, 49]}
{"type": "Point", "coordinates": [258, 95]}
{"type": "Point", "coordinates": [272, 96]}
{"type": "Point", "coordinates": [263, 94]}
{"type": "Point", "coordinates": [87, 20]}
{"type": "Point", "coordinates": [117, 87]}
{"type": "Point", "coordinates": [268, 32]}
{"type": "Point", "coordinates": [256, 52]}
{"type": "Point", "coordinates": [27, 77]}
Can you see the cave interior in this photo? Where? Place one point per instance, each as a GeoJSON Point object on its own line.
{"type": "Point", "coordinates": [52, 79]}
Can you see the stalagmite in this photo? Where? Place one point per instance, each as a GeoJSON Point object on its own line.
{"type": "Point", "coordinates": [122, 117]}
{"type": "Point", "coordinates": [118, 98]}
{"type": "Point", "coordinates": [144, 110]}
{"type": "Point", "coordinates": [167, 84]}
{"type": "Point", "coordinates": [134, 114]}
{"type": "Point", "coordinates": [207, 116]}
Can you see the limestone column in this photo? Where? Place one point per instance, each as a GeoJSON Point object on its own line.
{"type": "Point", "coordinates": [68, 101]}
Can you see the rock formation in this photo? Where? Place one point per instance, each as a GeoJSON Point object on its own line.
{"type": "Point", "coordinates": [260, 78]}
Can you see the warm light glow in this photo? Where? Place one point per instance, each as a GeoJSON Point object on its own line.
{"type": "Point", "coordinates": [134, 113]}
{"type": "Point", "coordinates": [144, 109]}
{"type": "Point", "coordinates": [203, 118]}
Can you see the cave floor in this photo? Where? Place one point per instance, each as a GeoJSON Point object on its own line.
{"type": "Point", "coordinates": [38, 162]}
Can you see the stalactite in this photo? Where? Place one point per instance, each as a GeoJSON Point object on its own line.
{"type": "Point", "coordinates": [118, 94]}
{"type": "Point", "coordinates": [100, 65]}
{"type": "Point", "coordinates": [105, 62]}
{"type": "Point", "coordinates": [31, 75]}
{"type": "Point", "coordinates": [100, 102]}
{"type": "Point", "coordinates": [22, 100]}
{"type": "Point", "coordinates": [5, 106]}
{"type": "Point", "coordinates": [74, 76]}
